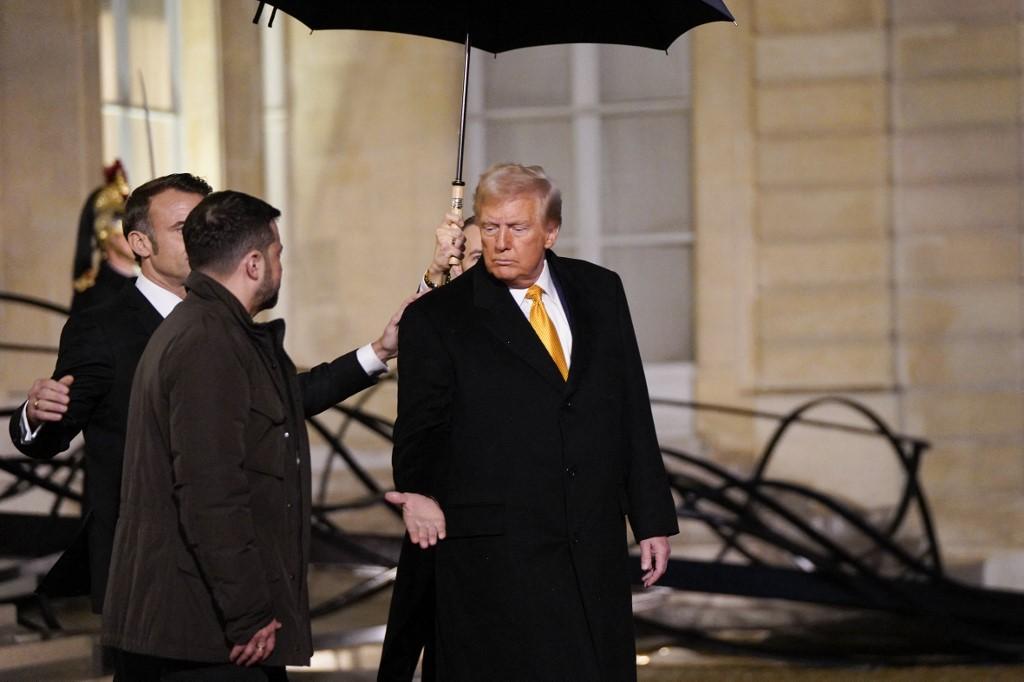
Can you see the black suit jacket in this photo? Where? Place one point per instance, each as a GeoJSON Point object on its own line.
{"type": "Point", "coordinates": [535, 475]}
{"type": "Point", "coordinates": [100, 347]}
{"type": "Point", "coordinates": [109, 283]}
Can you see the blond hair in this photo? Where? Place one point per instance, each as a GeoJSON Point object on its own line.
{"type": "Point", "coordinates": [508, 180]}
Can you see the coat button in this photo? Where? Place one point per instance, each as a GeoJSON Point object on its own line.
{"type": "Point", "coordinates": [287, 434]}
{"type": "Point", "coordinates": [567, 405]}
{"type": "Point", "coordinates": [570, 472]}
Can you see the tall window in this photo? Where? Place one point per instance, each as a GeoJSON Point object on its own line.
{"type": "Point", "coordinates": [140, 47]}
{"type": "Point", "coordinates": [611, 124]}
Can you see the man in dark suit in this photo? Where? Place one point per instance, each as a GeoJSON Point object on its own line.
{"type": "Point", "coordinates": [88, 392]}
{"type": "Point", "coordinates": [89, 389]}
{"type": "Point", "coordinates": [524, 439]}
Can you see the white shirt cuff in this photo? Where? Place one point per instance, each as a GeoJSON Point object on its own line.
{"type": "Point", "coordinates": [27, 434]}
{"type": "Point", "coordinates": [369, 361]}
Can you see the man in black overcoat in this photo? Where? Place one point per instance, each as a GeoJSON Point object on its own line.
{"type": "Point", "coordinates": [524, 441]}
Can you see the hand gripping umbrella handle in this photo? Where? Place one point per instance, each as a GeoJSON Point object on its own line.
{"type": "Point", "coordinates": [458, 195]}
{"type": "Point", "coordinates": [458, 186]}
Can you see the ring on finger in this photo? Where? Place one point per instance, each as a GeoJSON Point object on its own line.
{"type": "Point", "coordinates": [35, 403]}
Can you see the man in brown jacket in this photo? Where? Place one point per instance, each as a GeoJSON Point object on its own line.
{"type": "Point", "coordinates": [208, 574]}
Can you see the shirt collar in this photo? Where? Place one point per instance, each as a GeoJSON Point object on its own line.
{"type": "Point", "coordinates": [544, 282]}
{"type": "Point", "coordinates": [160, 298]}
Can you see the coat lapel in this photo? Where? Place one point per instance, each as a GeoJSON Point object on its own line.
{"type": "Point", "coordinates": [500, 316]}
{"type": "Point", "coordinates": [145, 314]}
{"type": "Point", "coordinates": [579, 311]}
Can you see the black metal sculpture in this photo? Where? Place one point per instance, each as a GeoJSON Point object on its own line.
{"type": "Point", "coordinates": [878, 593]}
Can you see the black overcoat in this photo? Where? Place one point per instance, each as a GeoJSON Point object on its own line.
{"type": "Point", "coordinates": [100, 347]}
{"type": "Point", "coordinates": [536, 475]}
{"type": "Point", "coordinates": [213, 537]}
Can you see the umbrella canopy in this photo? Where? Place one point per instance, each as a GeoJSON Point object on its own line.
{"type": "Point", "coordinates": [498, 26]}
{"type": "Point", "coordinates": [501, 26]}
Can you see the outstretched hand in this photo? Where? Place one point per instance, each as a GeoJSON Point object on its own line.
{"type": "Point", "coordinates": [422, 515]}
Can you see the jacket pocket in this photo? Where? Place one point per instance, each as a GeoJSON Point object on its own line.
{"type": "Point", "coordinates": [265, 459]}
{"type": "Point", "coordinates": [265, 433]}
{"type": "Point", "coordinates": [268, 404]}
{"type": "Point", "coordinates": [472, 520]}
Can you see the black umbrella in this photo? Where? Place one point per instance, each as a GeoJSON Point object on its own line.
{"type": "Point", "coordinates": [501, 26]}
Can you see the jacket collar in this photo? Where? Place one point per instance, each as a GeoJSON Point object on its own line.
{"type": "Point", "coordinates": [269, 336]}
{"type": "Point", "coordinates": [501, 316]}
{"type": "Point", "coordinates": [206, 288]}
{"type": "Point", "coordinates": [148, 317]}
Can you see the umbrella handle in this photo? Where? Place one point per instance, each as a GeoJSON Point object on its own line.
{"type": "Point", "coordinates": [458, 195]}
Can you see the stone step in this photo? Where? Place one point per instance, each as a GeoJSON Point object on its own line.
{"type": "Point", "coordinates": [8, 615]}
{"type": "Point", "coordinates": [21, 586]}
{"type": "Point", "coordinates": [15, 634]}
{"type": "Point", "coordinates": [78, 669]}
{"type": "Point", "coordinates": [9, 568]}
{"type": "Point", "coordinates": [18, 656]}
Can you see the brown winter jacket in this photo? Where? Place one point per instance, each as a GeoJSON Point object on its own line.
{"type": "Point", "coordinates": [213, 536]}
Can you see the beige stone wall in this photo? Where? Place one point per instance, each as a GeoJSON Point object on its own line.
{"type": "Point", "coordinates": [241, 99]}
{"type": "Point", "coordinates": [870, 242]}
{"type": "Point", "coordinates": [49, 161]}
{"type": "Point", "coordinates": [51, 152]}
{"type": "Point", "coordinates": [957, 151]}
{"type": "Point", "coordinates": [858, 212]}
{"type": "Point", "coordinates": [373, 123]}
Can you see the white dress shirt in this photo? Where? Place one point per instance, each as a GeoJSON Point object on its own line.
{"type": "Point", "coordinates": [553, 306]}
{"type": "Point", "coordinates": [158, 297]}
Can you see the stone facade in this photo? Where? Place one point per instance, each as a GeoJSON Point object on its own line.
{"type": "Point", "coordinates": [881, 227]}
{"type": "Point", "coordinates": [857, 170]}
{"type": "Point", "coordinates": [49, 161]}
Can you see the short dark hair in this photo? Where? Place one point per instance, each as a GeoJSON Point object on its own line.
{"type": "Point", "coordinates": [224, 227]}
{"type": "Point", "coordinates": [136, 209]}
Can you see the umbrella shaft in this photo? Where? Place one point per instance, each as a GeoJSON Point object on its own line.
{"type": "Point", "coordinates": [462, 121]}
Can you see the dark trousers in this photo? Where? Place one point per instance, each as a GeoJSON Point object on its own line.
{"type": "Point", "coordinates": [141, 668]}
{"type": "Point", "coordinates": [410, 629]}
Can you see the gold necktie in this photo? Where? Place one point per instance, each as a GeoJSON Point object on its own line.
{"type": "Point", "coordinates": [545, 329]}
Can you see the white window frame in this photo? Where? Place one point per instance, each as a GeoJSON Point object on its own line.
{"type": "Point", "coordinates": [586, 111]}
{"type": "Point", "coordinates": [123, 111]}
